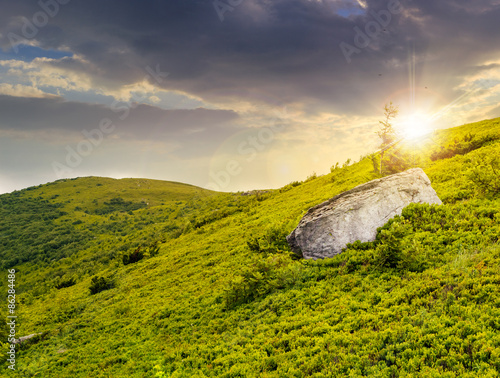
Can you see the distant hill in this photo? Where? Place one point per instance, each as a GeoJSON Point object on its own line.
{"type": "Point", "coordinates": [41, 222]}
{"type": "Point", "coordinates": [140, 278]}
{"type": "Point", "coordinates": [86, 190]}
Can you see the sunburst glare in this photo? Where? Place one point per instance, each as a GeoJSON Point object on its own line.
{"type": "Point", "coordinates": [415, 125]}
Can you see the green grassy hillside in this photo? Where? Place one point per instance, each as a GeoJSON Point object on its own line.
{"type": "Point", "coordinates": [56, 220]}
{"type": "Point", "coordinates": [143, 278]}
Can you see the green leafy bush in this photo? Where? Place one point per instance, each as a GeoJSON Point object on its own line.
{"type": "Point", "coordinates": [272, 241]}
{"type": "Point", "coordinates": [398, 159]}
{"type": "Point", "coordinates": [254, 245]}
{"type": "Point", "coordinates": [133, 257]}
{"type": "Point", "coordinates": [388, 252]}
{"type": "Point", "coordinates": [468, 143]}
{"type": "Point", "coordinates": [99, 284]}
{"type": "Point", "coordinates": [154, 249]}
{"type": "Point", "coordinates": [290, 186]}
{"type": "Point", "coordinates": [119, 204]}
{"type": "Point", "coordinates": [486, 173]}
{"type": "Point", "coordinates": [311, 177]}
{"type": "Point", "coordinates": [335, 167]}
{"type": "Point", "coordinates": [66, 283]}
{"type": "Point", "coordinates": [263, 277]}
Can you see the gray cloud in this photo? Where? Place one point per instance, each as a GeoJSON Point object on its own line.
{"type": "Point", "coordinates": [199, 130]}
{"type": "Point", "coordinates": [288, 49]}
{"type": "Point", "coordinates": [26, 114]}
{"type": "Point", "coordinates": [265, 52]}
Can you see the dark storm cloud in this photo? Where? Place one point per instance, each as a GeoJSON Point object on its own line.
{"type": "Point", "coordinates": [287, 49]}
{"type": "Point", "coordinates": [141, 122]}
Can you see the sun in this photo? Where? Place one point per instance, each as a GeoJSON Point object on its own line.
{"type": "Point", "coordinates": [415, 125]}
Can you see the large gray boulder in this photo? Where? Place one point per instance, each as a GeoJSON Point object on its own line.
{"type": "Point", "coordinates": [356, 214]}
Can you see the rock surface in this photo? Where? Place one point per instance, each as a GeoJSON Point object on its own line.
{"type": "Point", "coordinates": [356, 214]}
{"type": "Point", "coordinates": [24, 338]}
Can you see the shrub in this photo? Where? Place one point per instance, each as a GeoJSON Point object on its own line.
{"type": "Point", "coordinates": [375, 159]}
{"type": "Point", "coordinates": [66, 283]}
{"type": "Point", "coordinates": [347, 163]}
{"type": "Point", "coordinates": [273, 241]}
{"type": "Point", "coordinates": [486, 174]}
{"type": "Point", "coordinates": [397, 159]}
{"type": "Point", "coordinates": [134, 257]}
{"type": "Point", "coordinates": [275, 237]}
{"type": "Point", "coordinates": [312, 177]}
{"type": "Point", "coordinates": [290, 186]}
{"type": "Point", "coordinates": [99, 284]}
{"type": "Point", "coordinates": [254, 245]}
{"type": "Point", "coordinates": [333, 168]}
{"type": "Point", "coordinates": [264, 277]}
{"type": "Point", "coordinates": [389, 238]}
{"type": "Point", "coordinates": [154, 249]}
{"type": "Point", "coordinates": [468, 143]}
{"type": "Point", "coordinates": [119, 204]}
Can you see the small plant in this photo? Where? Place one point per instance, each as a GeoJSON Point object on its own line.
{"type": "Point", "coordinates": [267, 275]}
{"type": "Point", "coordinates": [154, 249]}
{"type": "Point", "coordinates": [468, 143]}
{"type": "Point", "coordinates": [389, 239]}
{"type": "Point", "coordinates": [273, 241]}
{"type": "Point", "coordinates": [376, 163]}
{"type": "Point", "coordinates": [134, 257]}
{"type": "Point", "coordinates": [333, 168]}
{"type": "Point", "coordinates": [290, 186]}
{"type": "Point", "coordinates": [486, 174]}
{"type": "Point", "coordinates": [254, 245]}
{"type": "Point", "coordinates": [314, 176]}
{"type": "Point", "coordinates": [99, 284]}
{"type": "Point", "coordinates": [275, 238]}
{"type": "Point", "coordinates": [66, 283]}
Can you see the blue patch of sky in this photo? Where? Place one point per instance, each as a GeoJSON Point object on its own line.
{"type": "Point", "coordinates": [87, 97]}
{"type": "Point", "coordinates": [351, 11]}
{"type": "Point", "coordinates": [27, 53]}
{"type": "Point", "coordinates": [486, 83]}
{"type": "Point", "coordinates": [345, 8]}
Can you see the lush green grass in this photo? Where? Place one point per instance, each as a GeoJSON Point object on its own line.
{"type": "Point", "coordinates": [89, 193]}
{"type": "Point", "coordinates": [225, 298]}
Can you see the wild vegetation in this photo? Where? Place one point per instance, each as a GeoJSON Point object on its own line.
{"type": "Point", "coordinates": [217, 292]}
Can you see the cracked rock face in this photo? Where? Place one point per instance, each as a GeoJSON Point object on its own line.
{"type": "Point", "coordinates": [356, 214]}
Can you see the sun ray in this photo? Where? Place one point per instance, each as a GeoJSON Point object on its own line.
{"type": "Point", "coordinates": [411, 76]}
{"type": "Point", "coordinates": [442, 112]}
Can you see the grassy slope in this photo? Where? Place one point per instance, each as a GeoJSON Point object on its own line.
{"type": "Point", "coordinates": [83, 191]}
{"type": "Point", "coordinates": [174, 311]}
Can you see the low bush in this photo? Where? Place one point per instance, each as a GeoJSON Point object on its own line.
{"type": "Point", "coordinates": [134, 257]}
{"type": "Point", "coordinates": [119, 204]}
{"type": "Point", "coordinates": [486, 174]}
{"type": "Point", "coordinates": [99, 284]}
{"type": "Point", "coordinates": [263, 277]}
{"type": "Point", "coordinates": [66, 283]}
{"type": "Point", "coordinates": [272, 241]}
{"type": "Point", "coordinates": [468, 143]}
{"type": "Point", "coordinates": [290, 186]}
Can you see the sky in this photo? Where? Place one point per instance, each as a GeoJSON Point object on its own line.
{"type": "Point", "coordinates": [231, 95]}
